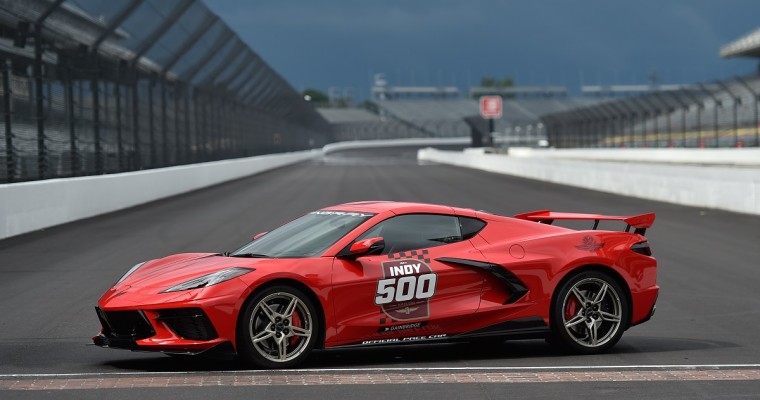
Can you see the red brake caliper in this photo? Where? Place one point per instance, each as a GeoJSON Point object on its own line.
{"type": "Point", "coordinates": [295, 321]}
{"type": "Point", "coordinates": [571, 309]}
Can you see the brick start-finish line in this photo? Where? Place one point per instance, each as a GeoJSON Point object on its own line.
{"type": "Point", "coordinates": [399, 376]}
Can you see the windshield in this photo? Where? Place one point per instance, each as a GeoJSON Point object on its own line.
{"type": "Point", "coordinates": [308, 236]}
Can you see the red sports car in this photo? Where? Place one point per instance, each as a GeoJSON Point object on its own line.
{"type": "Point", "coordinates": [376, 273]}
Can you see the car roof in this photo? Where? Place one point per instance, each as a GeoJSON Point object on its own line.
{"type": "Point", "coordinates": [399, 207]}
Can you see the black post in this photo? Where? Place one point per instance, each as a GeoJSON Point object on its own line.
{"type": "Point", "coordinates": [489, 134]}
{"type": "Point", "coordinates": [177, 148]}
{"type": "Point", "coordinates": [737, 100]}
{"type": "Point", "coordinates": [151, 131]}
{"type": "Point", "coordinates": [96, 125]}
{"type": "Point", "coordinates": [72, 121]}
{"type": "Point", "coordinates": [700, 142]}
{"type": "Point", "coordinates": [136, 120]}
{"type": "Point", "coordinates": [40, 109]}
{"type": "Point", "coordinates": [715, 125]}
{"type": "Point", "coordinates": [10, 160]}
{"type": "Point", "coordinates": [683, 126]}
{"type": "Point", "coordinates": [164, 125]}
{"type": "Point", "coordinates": [188, 135]}
{"type": "Point", "coordinates": [670, 128]}
{"type": "Point", "coordinates": [200, 145]}
{"type": "Point", "coordinates": [755, 98]}
{"type": "Point", "coordinates": [119, 134]}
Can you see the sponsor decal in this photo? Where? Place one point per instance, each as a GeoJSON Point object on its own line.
{"type": "Point", "coordinates": [590, 244]}
{"type": "Point", "coordinates": [405, 339]}
{"type": "Point", "coordinates": [404, 327]}
{"type": "Point", "coordinates": [406, 288]}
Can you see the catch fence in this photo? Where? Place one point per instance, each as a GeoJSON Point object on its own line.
{"type": "Point", "coordinates": [104, 86]}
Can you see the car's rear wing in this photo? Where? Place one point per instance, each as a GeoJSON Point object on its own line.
{"type": "Point", "coordinates": [640, 222]}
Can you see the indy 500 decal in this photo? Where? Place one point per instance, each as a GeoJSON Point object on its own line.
{"type": "Point", "coordinates": [405, 292]}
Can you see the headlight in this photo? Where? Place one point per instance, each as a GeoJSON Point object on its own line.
{"type": "Point", "coordinates": [131, 270]}
{"type": "Point", "coordinates": [210, 279]}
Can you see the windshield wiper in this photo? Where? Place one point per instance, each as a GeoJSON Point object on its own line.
{"type": "Point", "coordinates": [249, 255]}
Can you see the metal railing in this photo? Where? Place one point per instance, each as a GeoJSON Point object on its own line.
{"type": "Point", "coordinates": [104, 86]}
{"type": "Point", "coordinates": [718, 114]}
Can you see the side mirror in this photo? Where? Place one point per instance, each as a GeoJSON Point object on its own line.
{"type": "Point", "coordinates": [374, 245]}
{"type": "Point", "coordinates": [258, 235]}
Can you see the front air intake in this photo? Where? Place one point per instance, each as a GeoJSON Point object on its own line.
{"type": "Point", "coordinates": [132, 324]}
{"type": "Point", "coordinates": [188, 323]}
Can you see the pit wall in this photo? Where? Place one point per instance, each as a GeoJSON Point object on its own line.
{"type": "Point", "coordinates": [30, 206]}
{"type": "Point", "coordinates": [669, 175]}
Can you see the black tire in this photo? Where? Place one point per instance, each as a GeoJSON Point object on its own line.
{"type": "Point", "coordinates": [589, 313]}
{"type": "Point", "coordinates": [277, 320]}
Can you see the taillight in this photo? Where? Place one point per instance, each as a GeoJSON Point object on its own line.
{"type": "Point", "coordinates": [642, 248]}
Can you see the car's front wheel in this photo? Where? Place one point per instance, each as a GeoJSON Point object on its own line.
{"type": "Point", "coordinates": [589, 313]}
{"type": "Point", "coordinates": [278, 328]}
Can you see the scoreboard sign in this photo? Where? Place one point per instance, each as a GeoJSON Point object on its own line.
{"type": "Point", "coordinates": [490, 107]}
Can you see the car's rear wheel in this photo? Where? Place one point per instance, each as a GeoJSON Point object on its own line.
{"type": "Point", "coordinates": [278, 328]}
{"type": "Point", "coordinates": [589, 313]}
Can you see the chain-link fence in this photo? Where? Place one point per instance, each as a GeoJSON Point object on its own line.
{"type": "Point", "coordinates": [719, 114]}
{"type": "Point", "coordinates": [103, 86]}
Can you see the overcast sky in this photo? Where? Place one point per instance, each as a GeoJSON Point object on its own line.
{"type": "Point", "coordinates": [323, 43]}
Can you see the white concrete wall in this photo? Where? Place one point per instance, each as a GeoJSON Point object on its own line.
{"type": "Point", "coordinates": [368, 144]}
{"type": "Point", "coordinates": [712, 186]}
{"type": "Point", "coordinates": [29, 206]}
{"type": "Point", "coordinates": [429, 141]}
{"type": "Point", "coordinates": [722, 156]}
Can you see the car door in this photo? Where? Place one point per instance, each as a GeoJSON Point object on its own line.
{"type": "Point", "coordinates": [404, 290]}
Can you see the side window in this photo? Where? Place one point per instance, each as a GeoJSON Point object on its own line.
{"type": "Point", "coordinates": [416, 231]}
{"type": "Point", "coordinates": [470, 227]}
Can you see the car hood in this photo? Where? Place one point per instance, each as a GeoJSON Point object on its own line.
{"type": "Point", "coordinates": [158, 275]}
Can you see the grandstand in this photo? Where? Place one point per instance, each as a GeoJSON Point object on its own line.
{"type": "Point", "coordinates": [746, 46]}
{"type": "Point", "coordinates": [723, 113]}
{"type": "Point", "coordinates": [444, 118]}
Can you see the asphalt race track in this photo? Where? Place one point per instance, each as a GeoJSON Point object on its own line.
{"type": "Point", "coordinates": [704, 336]}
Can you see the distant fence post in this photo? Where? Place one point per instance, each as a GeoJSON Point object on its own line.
{"type": "Point", "coordinates": [119, 130]}
{"type": "Point", "coordinates": [178, 149]}
{"type": "Point", "coordinates": [10, 159]}
{"type": "Point", "coordinates": [39, 103]}
{"type": "Point", "coordinates": [136, 118]}
{"type": "Point", "coordinates": [164, 126]}
{"type": "Point", "coordinates": [755, 98]}
{"type": "Point", "coordinates": [95, 90]}
{"type": "Point", "coordinates": [151, 128]}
